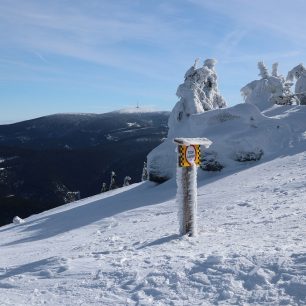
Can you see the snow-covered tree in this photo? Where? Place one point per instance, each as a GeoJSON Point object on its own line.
{"type": "Point", "coordinates": [269, 90]}
{"type": "Point", "coordinates": [263, 70]}
{"type": "Point", "coordinates": [198, 93]}
{"type": "Point", "coordinates": [126, 181]}
{"type": "Point", "coordinates": [104, 188]}
{"type": "Point", "coordinates": [275, 70]}
{"type": "Point", "coordinates": [112, 184]}
{"type": "Point", "coordinates": [144, 175]}
{"type": "Point", "coordinates": [299, 73]}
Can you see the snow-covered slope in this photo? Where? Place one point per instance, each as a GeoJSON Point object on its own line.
{"type": "Point", "coordinates": [123, 248]}
{"type": "Point", "coordinates": [234, 131]}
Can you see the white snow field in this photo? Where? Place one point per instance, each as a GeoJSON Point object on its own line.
{"type": "Point", "coordinates": [123, 248]}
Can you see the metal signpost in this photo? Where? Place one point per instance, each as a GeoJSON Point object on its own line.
{"type": "Point", "coordinates": [189, 158]}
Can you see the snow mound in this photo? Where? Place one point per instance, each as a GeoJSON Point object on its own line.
{"type": "Point", "coordinates": [238, 133]}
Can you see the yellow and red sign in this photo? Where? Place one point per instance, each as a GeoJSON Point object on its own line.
{"type": "Point", "coordinates": [189, 155]}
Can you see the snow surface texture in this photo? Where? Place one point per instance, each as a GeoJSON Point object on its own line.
{"type": "Point", "coordinates": [122, 247]}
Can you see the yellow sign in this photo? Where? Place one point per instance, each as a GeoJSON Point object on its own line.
{"type": "Point", "coordinates": [189, 155]}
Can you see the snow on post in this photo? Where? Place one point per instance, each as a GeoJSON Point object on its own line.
{"type": "Point", "coordinates": [188, 160]}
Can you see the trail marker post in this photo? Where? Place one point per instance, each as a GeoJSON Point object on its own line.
{"type": "Point", "coordinates": [189, 158]}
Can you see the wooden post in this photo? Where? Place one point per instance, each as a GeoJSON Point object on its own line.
{"type": "Point", "coordinates": [189, 201]}
{"type": "Point", "coordinates": [188, 160]}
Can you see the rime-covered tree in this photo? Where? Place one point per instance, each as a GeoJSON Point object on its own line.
{"type": "Point", "coordinates": [126, 181]}
{"type": "Point", "coordinates": [197, 94]}
{"type": "Point", "coordinates": [275, 70]}
{"type": "Point", "coordinates": [104, 188]}
{"type": "Point", "coordinates": [113, 184]}
{"type": "Point", "coordinates": [299, 73]}
{"type": "Point", "coordinates": [269, 90]}
{"type": "Point", "coordinates": [144, 175]}
{"type": "Point", "coordinates": [263, 70]}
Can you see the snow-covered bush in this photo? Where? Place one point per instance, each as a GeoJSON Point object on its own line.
{"type": "Point", "coordinates": [144, 175]}
{"type": "Point", "coordinates": [103, 188]}
{"type": "Point", "coordinates": [209, 161]}
{"type": "Point", "coordinates": [126, 181]}
{"type": "Point", "coordinates": [269, 90]}
{"type": "Point", "coordinates": [244, 156]}
{"type": "Point", "coordinates": [299, 73]}
{"type": "Point", "coordinates": [72, 196]}
{"type": "Point", "coordinates": [113, 184]}
{"type": "Point", "coordinates": [18, 220]}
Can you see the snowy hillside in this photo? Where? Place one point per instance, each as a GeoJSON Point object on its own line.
{"type": "Point", "coordinates": [41, 159]}
{"type": "Point", "coordinates": [123, 248]}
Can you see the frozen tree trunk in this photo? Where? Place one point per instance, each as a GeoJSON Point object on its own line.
{"type": "Point", "coordinates": [187, 199]}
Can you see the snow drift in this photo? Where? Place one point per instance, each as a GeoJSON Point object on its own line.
{"type": "Point", "coordinates": [242, 133]}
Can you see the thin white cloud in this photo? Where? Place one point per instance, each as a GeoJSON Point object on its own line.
{"type": "Point", "coordinates": [229, 43]}
{"type": "Point", "coordinates": [284, 18]}
{"type": "Point", "coordinates": [101, 36]}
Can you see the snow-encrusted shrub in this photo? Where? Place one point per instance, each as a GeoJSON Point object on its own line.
{"type": "Point", "coordinates": [209, 161]}
{"type": "Point", "coordinates": [103, 188]}
{"type": "Point", "coordinates": [299, 73]}
{"type": "Point", "coordinates": [126, 181]}
{"type": "Point", "coordinates": [263, 70]}
{"type": "Point", "coordinates": [245, 156]}
{"type": "Point", "coordinates": [72, 196]}
{"type": "Point", "coordinates": [113, 184]}
{"type": "Point", "coordinates": [144, 175]}
{"type": "Point", "coordinates": [269, 90]}
{"type": "Point", "coordinates": [18, 220]}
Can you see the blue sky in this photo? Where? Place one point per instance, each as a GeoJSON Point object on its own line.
{"type": "Point", "coordinates": [96, 55]}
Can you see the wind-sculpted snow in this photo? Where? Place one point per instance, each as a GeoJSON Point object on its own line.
{"type": "Point", "coordinates": [236, 131]}
{"type": "Point", "coordinates": [123, 248]}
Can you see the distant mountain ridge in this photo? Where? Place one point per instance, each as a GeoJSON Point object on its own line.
{"type": "Point", "coordinates": [45, 158]}
{"type": "Point", "coordinates": [62, 127]}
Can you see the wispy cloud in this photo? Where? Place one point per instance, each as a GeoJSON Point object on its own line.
{"type": "Point", "coordinates": [229, 42]}
{"type": "Point", "coordinates": [126, 49]}
{"type": "Point", "coordinates": [100, 34]}
{"type": "Point", "coordinates": [284, 18]}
